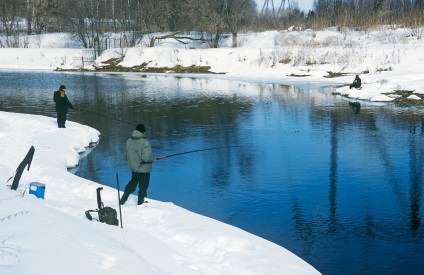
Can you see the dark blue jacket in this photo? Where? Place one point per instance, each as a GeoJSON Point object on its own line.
{"type": "Point", "coordinates": [62, 103]}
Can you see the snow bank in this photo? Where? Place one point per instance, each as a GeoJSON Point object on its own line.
{"type": "Point", "coordinates": [53, 236]}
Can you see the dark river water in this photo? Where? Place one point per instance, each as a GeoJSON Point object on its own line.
{"type": "Point", "coordinates": [340, 187]}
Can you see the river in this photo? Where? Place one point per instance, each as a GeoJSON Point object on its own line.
{"type": "Point", "coordinates": [338, 184]}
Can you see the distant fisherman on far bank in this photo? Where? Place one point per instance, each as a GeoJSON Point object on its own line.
{"type": "Point", "coordinates": [356, 83]}
{"type": "Point", "coordinates": [62, 105]}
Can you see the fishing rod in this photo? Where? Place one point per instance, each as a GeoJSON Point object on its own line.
{"type": "Point", "coordinates": [97, 114]}
{"type": "Point", "coordinates": [109, 117]}
{"type": "Point", "coordinates": [193, 151]}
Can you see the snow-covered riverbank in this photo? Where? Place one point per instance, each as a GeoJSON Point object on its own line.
{"type": "Point", "coordinates": [53, 236]}
{"type": "Point", "coordinates": [387, 60]}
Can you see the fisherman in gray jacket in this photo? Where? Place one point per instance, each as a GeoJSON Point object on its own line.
{"type": "Point", "coordinates": [138, 155]}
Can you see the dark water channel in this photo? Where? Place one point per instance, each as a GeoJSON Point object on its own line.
{"type": "Point", "coordinates": [341, 189]}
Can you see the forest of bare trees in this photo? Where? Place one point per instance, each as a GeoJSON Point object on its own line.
{"type": "Point", "coordinates": [89, 20]}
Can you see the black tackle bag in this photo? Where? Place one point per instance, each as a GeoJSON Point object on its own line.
{"type": "Point", "coordinates": [106, 214]}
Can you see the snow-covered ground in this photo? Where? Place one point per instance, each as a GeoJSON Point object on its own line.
{"type": "Point", "coordinates": [53, 236]}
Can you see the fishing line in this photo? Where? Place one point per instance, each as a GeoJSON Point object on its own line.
{"type": "Point", "coordinates": [109, 117]}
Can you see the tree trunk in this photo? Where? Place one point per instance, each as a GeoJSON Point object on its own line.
{"type": "Point", "coordinates": [216, 41]}
{"type": "Point", "coordinates": [29, 30]}
{"type": "Point", "coordinates": [152, 41]}
{"type": "Point", "coordinates": [235, 40]}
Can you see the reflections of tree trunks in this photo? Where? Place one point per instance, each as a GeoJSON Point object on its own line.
{"type": "Point", "coordinates": [305, 229]}
{"type": "Point", "coordinates": [335, 120]}
{"type": "Point", "coordinates": [416, 178]}
{"type": "Point", "coordinates": [356, 107]}
{"type": "Point", "coordinates": [388, 163]}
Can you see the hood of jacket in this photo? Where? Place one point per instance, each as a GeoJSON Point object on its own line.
{"type": "Point", "coordinates": [137, 135]}
{"type": "Point", "coordinates": [138, 153]}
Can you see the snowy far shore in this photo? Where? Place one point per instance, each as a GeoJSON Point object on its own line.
{"type": "Point", "coordinates": [389, 61]}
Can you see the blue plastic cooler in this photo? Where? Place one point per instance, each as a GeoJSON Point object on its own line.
{"type": "Point", "coordinates": [37, 189]}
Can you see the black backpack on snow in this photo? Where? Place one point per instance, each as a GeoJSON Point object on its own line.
{"type": "Point", "coordinates": [106, 214]}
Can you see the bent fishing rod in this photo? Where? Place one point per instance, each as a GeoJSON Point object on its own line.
{"type": "Point", "coordinates": [193, 151]}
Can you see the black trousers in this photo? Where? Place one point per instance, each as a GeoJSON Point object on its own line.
{"type": "Point", "coordinates": [140, 179]}
{"type": "Point", "coordinates": [61, 119]}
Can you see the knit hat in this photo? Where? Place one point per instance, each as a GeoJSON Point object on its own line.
{"type": "Point", "coordinates": [140, 127]}
{"type": "Point", "coordinates": [62, 87]}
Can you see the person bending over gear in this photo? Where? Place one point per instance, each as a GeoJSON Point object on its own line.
{"type": "Point", "coordinates": [62, 105]}
{"type": "Point", "coordinates": [138, 155]}
{"type": "Point", "coordinates": [356, 83]}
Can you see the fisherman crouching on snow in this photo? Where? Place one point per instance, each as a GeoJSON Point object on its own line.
{"type": "Point", "coordinates": [356, 83]}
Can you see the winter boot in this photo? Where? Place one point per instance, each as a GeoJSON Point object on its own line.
{"type": "Point", "coordinates": [124, 198]}
{"type": "Point", "coordinates": [140, 201]}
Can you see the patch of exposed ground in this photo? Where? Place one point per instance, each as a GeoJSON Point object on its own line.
{"type": "Point", "coordinates": [402, 98]}
{"type": "Point", "coordinates": [112, 65]}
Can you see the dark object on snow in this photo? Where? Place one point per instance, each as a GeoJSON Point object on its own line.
{"type": "Point", "coordinates": [119, 196]}
{"type": "Point", "coordinates": [356, 83]}
{"type": "Point", "coordinates": [106, 214]}
{"type": "Point", "coordinates": [27, 161]}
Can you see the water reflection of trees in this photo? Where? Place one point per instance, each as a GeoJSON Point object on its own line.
{"type": "Point", "coordinates": [379, 125]}
{"type": "Point", "coordinates": [416, 166]}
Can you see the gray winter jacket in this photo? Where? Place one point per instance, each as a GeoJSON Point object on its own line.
{"type": "Point", "coordinates": [138, 153]}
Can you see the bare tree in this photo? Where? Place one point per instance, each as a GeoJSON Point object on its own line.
{"type": "Point", "coordinates": [238, 13]}
{"type": "Point", "coordinates": [85, 21]}
{"type": "Point", "coordinates": [11, 13]}
{"type": "Point", "coordinates": [89, 20]}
